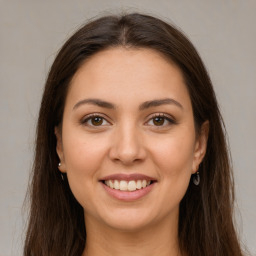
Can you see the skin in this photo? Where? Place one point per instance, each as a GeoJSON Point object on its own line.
{"type": "Point", "coordinates": [130, 140]}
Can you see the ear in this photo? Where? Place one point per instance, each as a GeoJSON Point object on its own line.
{"type": "Point", "coordinates": [59, 149]}
{"type": "Point", "coordinates": [200, 146]}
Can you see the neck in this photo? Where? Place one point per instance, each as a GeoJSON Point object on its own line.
{"type": "Point", "coordinates": [161, 240]}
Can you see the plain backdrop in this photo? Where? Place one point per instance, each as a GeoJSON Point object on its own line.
{"type": "Point", "coordinates": [31, 32]}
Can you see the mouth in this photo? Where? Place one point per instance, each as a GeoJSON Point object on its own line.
{"type": "Point", "coordinates": [131, 185]}
{"type": "Point", "coordinates": [128, 187]}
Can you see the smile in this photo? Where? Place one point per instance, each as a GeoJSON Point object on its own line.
{"type": "Point", "coordinates": [124, 185]}
{"type": "Point", "coordinates": [128, 187]}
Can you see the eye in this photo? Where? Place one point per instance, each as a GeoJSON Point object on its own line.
{"type": "Point", "coordinates": [161, 120]}
{"type": "Point", "coordinates": [94, 120]}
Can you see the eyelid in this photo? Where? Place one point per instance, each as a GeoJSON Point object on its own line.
{"type": "Point", "coordinates": [85, 119]}
{"type": "Point", "coordinates": [167, 117]}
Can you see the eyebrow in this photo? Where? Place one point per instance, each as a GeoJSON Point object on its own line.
{"type": "Point", "coordinates": [156, 103]}
{"type": "Point", "coordinates": [97, 102]}
{"type": "Point", "coordinates": [143, 106]}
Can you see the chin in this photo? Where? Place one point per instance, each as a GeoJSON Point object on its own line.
{"type": "Point", "coordinates": [128, 220]}
{"type": "Point", "coordinates": [129, 226]}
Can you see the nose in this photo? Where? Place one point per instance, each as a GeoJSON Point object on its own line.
{"type": "Point", "coordinates": [127, 146]}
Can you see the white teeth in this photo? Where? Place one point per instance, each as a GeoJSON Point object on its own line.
{"type": "Point", "coordinates": [123, 185]}
{"type": "Point", "coordinates": [116, 184]}
{"type": "Point", "coordinates": [139, 184]}
{"type": "Point", "coordinates": [111, 184]}
{"type": "Point", "coordinates": [131, 185]}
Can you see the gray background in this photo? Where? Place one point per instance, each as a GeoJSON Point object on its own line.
{"type": "Point", "coordinates": [31, 33]}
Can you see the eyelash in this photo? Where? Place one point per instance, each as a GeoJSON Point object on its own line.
{"type": "Point", "coordinates": [90, 117]}
{"type": "Point", "coordinates": [170, 120]}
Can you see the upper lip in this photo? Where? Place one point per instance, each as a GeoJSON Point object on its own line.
{"type": "Point", "coordinates": [128, 177]}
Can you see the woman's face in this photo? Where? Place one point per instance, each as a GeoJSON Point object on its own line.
{"type": "Point", "coordinates": [128, 142]}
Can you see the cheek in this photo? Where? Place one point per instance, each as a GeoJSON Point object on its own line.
{"type": "Point", "coordinates": [174, 154]}
{"type": "Point", "coordinates": [173, 157]}
{"type": "Point", "coordinates": [83, 156]}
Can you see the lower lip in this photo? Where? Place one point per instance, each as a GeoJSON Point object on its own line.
{"type": "Point", "coordinates": [128, 195]}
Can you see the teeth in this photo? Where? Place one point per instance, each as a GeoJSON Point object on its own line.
{"type": "Point", "coordinates": [111, 184]}
{"type": "Point", "coordinates": [138, 186]}
{"type": "Point", "coordinates": [132, 185]}
{"type": "Point", "coordinates": [124, 185]}
{"type": "Point", "coordinates": [116, 184]}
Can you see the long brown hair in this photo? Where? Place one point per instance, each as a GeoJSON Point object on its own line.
{"type": "Point", "coordinates": [56, 222]}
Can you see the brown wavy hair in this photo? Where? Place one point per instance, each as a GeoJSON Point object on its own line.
{"type": "Point", "coordinates": [56, 222]}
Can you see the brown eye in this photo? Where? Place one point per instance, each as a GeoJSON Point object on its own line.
{"type": "Point", "coordinates": [161, 120]}
{"type": "Point", "coordinates": [97, 120]}
{"type": "Point", "coordinates": [158, 121]}
{"type": "Point", "coordinates": [94, 120]}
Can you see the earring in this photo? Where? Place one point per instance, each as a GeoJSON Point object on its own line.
{"type": "Point", "coordinates": [196, 179]}
{"type": "Point", "coordinates": [62, 177]}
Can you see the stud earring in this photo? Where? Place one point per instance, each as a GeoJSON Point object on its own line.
{"type": "Point", "coordinates": [196, 179]}
{"type": "Point", "coordinates": [62, 177]}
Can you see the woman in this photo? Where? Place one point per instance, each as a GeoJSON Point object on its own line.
{"type": "Point", "coordinates": [131, 157]}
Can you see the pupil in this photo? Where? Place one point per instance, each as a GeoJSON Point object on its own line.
{"type": "Point", "coordinates": [158, 121]}
{"type": "Point", "coordinates": [97, 120]}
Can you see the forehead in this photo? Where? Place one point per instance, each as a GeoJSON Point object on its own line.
{"type": "Point", "coordinates": [131, 74]}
